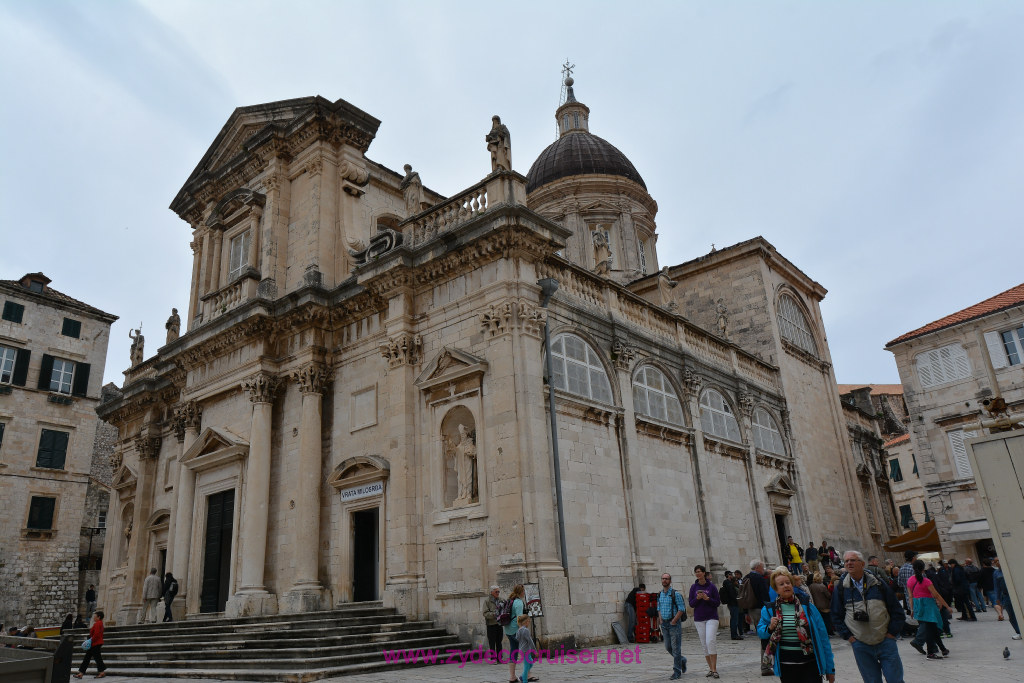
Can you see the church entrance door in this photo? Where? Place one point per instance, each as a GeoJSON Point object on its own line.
{"type": "Point", "coordinates": [780, 527]}
{"type": "Point", "coordinates": [220, 513]}
{"type": "Point", "coordinates": [365, 554]}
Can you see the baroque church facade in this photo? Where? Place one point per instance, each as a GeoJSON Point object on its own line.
{"type": "Point", "coordinates": [359, 409]}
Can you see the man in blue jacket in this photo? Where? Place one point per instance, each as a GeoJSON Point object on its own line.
{"type": "Point", "coordinates": [866, 613]}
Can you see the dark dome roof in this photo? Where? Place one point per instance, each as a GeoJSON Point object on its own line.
{"type": "Point", "coordinates": [579, 153]}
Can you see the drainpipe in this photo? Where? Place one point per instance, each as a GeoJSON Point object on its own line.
{"type": "Point", "coordinates": [548, 287]}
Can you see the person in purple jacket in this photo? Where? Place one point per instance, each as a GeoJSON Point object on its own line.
{"type": "Point", "coordinates": [705, 601]}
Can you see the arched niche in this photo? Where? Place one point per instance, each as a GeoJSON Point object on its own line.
{"type": "Point", "coordinates": [460, 483]}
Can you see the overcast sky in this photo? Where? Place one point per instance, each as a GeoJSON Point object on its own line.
{"type": "Point", "coordinates": [878, 146]}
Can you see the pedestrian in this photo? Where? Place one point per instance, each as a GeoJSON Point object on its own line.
{"type": "Point", "coordinates": [865, 613]}
{"type": "Point", "coordinates": [90, 599]}
{"type": "Point", "coordinates": [704, 599]}
{"type": "Point", "coordinates": [1004, 597]}
{"type": "Point", "coordinates": [631, 612]}
{"type": "Point", "coordinates": [961, 591]}
{"type": "Point", "coordinates": [492, 605]}
{"type": "Point", "coordinates": [830, 579]}
{"type": "Point", "coordinates": [876, 569]}
{"type": "Point", "coordinates": [811, 558]}
{"type": "Point", "coordinates": [79, 622]}
{"type": "Point", "coordinates": [152, 591]}
{"type": "Point", "coordinates": [801, 591]}
{"type": "Point", "coordinates": [926, 602]}
{"type": "Point", "coordinates": [833, 557]}
{"type": "Point", "coordinates": [988, 586]}
{"type": "Point", "coordinates": [527, 649]}
{"type": "Point", "coordinates": [170, 590]}
{"type": "Point", "coordinates": [728, 593]}
{"type": "Point", "coordinates": [941, 582]}
{"type": "Point", "coordinates": [671, 614]}
{"type": "Point", "coordinates": [793, 558]}
{"type": "Point", "coordinates": [95, 650]}
{"type": "Point", "coordinates": [798, 648]}
{"type": "Point", "coordinates": [821, 598]}
{"type": "Point", "coordinates": [68, 623]}
{"type": "Point", "coordinates": [823, 556]}
{"type": "Point", "coordinates": [906, 571]}
{"type": "Point", "coordinates": [518, 609]}
{"type": "Point", "coordinates": [759, 600]}
{"type": "Point", "coordinates": [973, 578]}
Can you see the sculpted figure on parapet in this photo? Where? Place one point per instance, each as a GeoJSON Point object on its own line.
{"type": "Point", "coordinates": [138, 342]}
{"type": "Point", "coordinates": [723, 318]}
{"type": "Point", "coordinates": [499, 144]}
{"type": "Point", "coordinates": [412, 189]}
{"type": "Point", "coordinates": [602, 253]}
{"type": "Point", "coordinates": [173, 326]}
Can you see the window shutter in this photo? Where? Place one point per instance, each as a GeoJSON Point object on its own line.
{"type": "Point", "coordinates": [962, 366]}
{"type": "Point", "coordinates": [45, 371]}
{"type": "Point", "coordinates": [45, 455]}
{"type": "Point", "coordinates": [20, 375]}
{"type": "Point", "coordinates": [960, 461]}
{"type": "Point", "coordinates": [81, 382]}
{"type": "Point", "coordinates": [60, 450]}
{"type": "Point", "coordinates": [996, 352]}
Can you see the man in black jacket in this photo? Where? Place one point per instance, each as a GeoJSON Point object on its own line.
{"type": "Point", "coordinates": [961, 591]}
{"type": "Point", "coordinates": [631, 612]}
{"type": "Point", "coordinates": [760, 587]}
{"type": "Point", "coordinates": [728, 593]}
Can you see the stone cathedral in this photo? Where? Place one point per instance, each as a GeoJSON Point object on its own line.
{"type": "Point", "coordinates": [359, 411]}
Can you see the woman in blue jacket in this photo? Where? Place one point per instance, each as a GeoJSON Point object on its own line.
{"type": "Point", "coordinates": [796, 634]}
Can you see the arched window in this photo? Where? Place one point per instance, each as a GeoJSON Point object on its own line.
{"type": "Point", "coordinates": [766, 434]}
{"type": "Point", "coordinates": [793, 325]}
{"type": "Point", "coordinates": [654, 397]}
{"type": "Point", "coordinates": [577, 369]}
{"type": "Point", "coordinates": [716, 416]}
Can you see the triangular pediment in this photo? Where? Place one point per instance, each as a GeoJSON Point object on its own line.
{"type": "Point", "coordinates": [599, 206]}
{"type": "Point", "coordinates": [448, 365]}
{"type": "Point", "coordinates": [124, 478]}
{"type": "Point", "coordinates": [213, 445]}
{"type": "Point", "coordinates": [780, 484]}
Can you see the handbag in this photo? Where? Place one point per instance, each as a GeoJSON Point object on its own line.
{"type": "Point", "coordinates": [87, 644]}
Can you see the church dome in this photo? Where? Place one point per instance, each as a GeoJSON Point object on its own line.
{"type": "Point", "coordinates": [580, 153]}
{"type": "Point", "coordinates": [577, 151]}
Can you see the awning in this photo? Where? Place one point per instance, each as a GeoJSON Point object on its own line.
{"type": "Point", "coordinates": [924, 539]}
{"type": "Point", "coordinates": [975, 530]}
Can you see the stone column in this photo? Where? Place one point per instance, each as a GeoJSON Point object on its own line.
{"type": "Point", "coordinates": [252, 597]}
{"type": "Point", "coordinates": [194, 294]}
{"type": "Point", "coordinates": [307, 593]}
{"type": "Point", "coordinates": [148, 448]}
{"type": "Point", "coordinates": [188, 417]}
{"type": "Point", "coordinates": [692, 383]}
{"type": "Point", "coordinates": [215, 275]}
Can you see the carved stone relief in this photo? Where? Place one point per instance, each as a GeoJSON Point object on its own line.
{"type": "Point", "coordinates": [402, 349]}
{"type": "Point", "coordinates": [458, 438]}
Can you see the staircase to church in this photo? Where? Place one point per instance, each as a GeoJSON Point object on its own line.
{"type": "Point", "coordinates": [284, 647]}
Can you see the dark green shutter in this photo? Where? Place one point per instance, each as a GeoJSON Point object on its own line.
{"type": "Point", "coordinates": [45, 455]}
{"type": "Point", "coordinates": [81, 383]}
{"type": "Point", "coordinates": [46, 372]}
{"type": "Point", "coordinates": [13, 312]}
{"type": "Point", "coordinates": [71, 328]}
{"type": "Point", "coordinates": [40, 515]}
{"type": "Point", "coordinates": [21, 367]}
{"type": "Point", "coordinates": [53, 449]}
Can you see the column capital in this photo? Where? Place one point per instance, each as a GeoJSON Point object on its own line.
{"type": "Point", "coordinates": [312, 377]}
{"type": "Point", "coordinates": [261, 387]}
{"type": "Point", "coordinates": [147, 446]}
{"type": "Point", "coordinates": [746, 402]}
{"type": "Point", "coordinates": [693, 382]}
{"type": "Point", "coordinates": [623, 354]}
{"type": "Point", "coordinates": [187, 415]}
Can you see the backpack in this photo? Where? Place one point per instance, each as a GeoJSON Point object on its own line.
{"type": "Point", "coordinates": [747, 598]}
{"type": "Point", "coordinates": [504, 616]}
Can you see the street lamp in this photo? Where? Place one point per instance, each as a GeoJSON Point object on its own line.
{"type": "Point", "coordinates": [548, 287]}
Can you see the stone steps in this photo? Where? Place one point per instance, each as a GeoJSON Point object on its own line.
{"type": "Point", "coordinates": [282, 647]}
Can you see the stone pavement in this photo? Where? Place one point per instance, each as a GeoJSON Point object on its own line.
{"type": "Point", "coordinates": [975, 655]}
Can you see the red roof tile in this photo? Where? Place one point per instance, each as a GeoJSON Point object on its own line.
{"type": "Point", "coordinates": [876, 389]}
{"type": "Point", "coordinates": [1011, 297]}
{"type": "Point", "coordinates": [897, 441]}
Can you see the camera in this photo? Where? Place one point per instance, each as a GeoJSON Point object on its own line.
{"type": "Point", "coordinates": [860, 615]}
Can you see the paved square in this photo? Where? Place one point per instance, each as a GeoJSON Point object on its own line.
{"type": "Point", "coordinates": [976, 655]}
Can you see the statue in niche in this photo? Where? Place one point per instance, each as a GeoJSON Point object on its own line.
{"type": "Point", "coordinates": [602, 253]}
{"type": "Point", "coordinates": [723, 318]}
{"type": "Point", "coordinates": [138, 342]}
{"type": "Point", "coordinates": [499, 144]}
{"type": "Point", "coordinates": [412, 189]}
{"type": "Point", "coordinates": [173, 326]}
{"type": "Point", "coordinates": [460, 478]}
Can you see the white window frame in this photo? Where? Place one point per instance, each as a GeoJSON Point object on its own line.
{"type": "Point", "coordinates": [766, 434]}
{"type": "Point", "coordinates": [8, 356]}
{"type": "Point", "coordinates": [717, 418]}
{"type": "Point", "coordinates": [238, 259]}
{"type": "Point", "coordinates": [588, 374]}
{"type": "Point", "coordinates": [958, 452]}
{"type": "Point", "coordinates": [62, 377]}
{"type": "Point", "coordinates": [654, 401]}
{"type": "Point", "coordinates": [1006, 347]}
{"type": "Point", "coordinates": [794, 326]}
{"type": "Point", "coordinates": [943, 365]}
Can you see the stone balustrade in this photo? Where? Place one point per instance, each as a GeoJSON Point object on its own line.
{"type": "Point", "coordinates": [216, 304]}
{"type": "Point", "coordinates": [498, 188]}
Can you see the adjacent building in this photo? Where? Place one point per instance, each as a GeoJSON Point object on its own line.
{"type": "Point", "coordinates": [359, 408]}
{"type": "Point", "coordinates": [952, 370]}
{"type": "Point", "coordinates": [52, 352]}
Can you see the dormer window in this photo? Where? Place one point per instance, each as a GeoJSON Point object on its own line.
{"type": "Point", "coordinates": [35, 286]}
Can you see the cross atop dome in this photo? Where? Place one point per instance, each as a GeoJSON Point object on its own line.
{"type": "Point", "coordinates": [572, 115]}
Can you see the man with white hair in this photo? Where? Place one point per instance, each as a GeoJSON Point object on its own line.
{"type": "Point", "coordinates": [492, 605]}
{"type": "Point", "coordinates": [753, 597]}
{"type": "Point", "coordinates": [865, 613]}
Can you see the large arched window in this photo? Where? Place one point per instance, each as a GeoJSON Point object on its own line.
{"type": "Point", "coordinates": [577, 369]}
{"type": "Point", "coordinates": [716, 416]}
{"type": "Point", "coordinates": [766, 434]}
{"type": "Point", "coordinates": [793, 325]}
{"type": "Point", "coordinates": [654, 397]}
